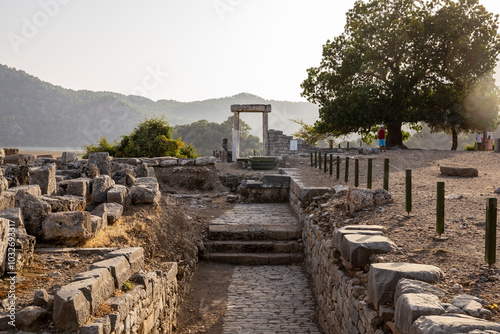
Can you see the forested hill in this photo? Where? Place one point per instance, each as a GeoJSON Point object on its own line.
{"type": "Point", "coordinates": [37, 113]}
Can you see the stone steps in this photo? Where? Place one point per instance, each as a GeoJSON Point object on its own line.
{"type": "Point", "coordinates": [245, 246]}
{"type": "Point", "coordinates": [255, 258]}
{"type": "Point", "coordinates": [255, 234]}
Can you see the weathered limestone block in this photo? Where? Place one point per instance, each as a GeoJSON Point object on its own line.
{"type": "Point", "coordinates": [98, 223]}
{"type": "Point", "coordinates": [7, 200]}
{"type": "Point", "coordinates": [4, 184]}
{"type": "Point", "coordinates": [124, 177]}
{"type": "Point", "coordinates": [451, 323]}
{"type": "Point", "coordinates": [147, 191]}
{"type": "Point", "coordinates": [119, 268]}
{"type": "Point", "coordinates": [338, 233]}
{"type": "Point", "coordinates": [471, 305]}
{"type": "Point", "coordinates": [65, 203]}
{"type": "Point", "coordinates": [78, 187]}
{"type": "Point", "coordinates": [112, 212]}
{"type": "Point", "coordinates": [95, 328]}
{"type": "Point", "coordinates": [21, 190]}
{"type": "Point", "coordinates": [169, 163]}
{"type": "Point", "coordinates": [185, 162]}
{"type": "Point", "coordinates": [135, 257]}
{"type": "Point", "coordinates": [99, 287]}
{"type": "Point", "coordinates": [102, 160]}
{"type": "Point", "coordinates": [41, 298]}
{"type": "Point", "coordinates": [406, 285]}
{"type": "Point", "coordinates": [204, 161]}
{"type": "Point", "coordinates": [10, 151]}
{"type": "Point", "coordinates": [71, 308]}
{"type": "Point", "coordinates": [383, 278]}
{"type": "Point", "coordinates": [15, 215]}
{"type": "Point", "coordinates": [142, 170]}
{"type": "Point", "coordinates": [19, 159]}
{"type": "Point", "coordinates": [100, 188]}
{"type": "Point", "coordinates": [89, 171]}
{"type": "Point", "coordinates": [4, 243]}
{"type": "Point", "coordinates": [411, 306]}
{"type": "Point", "coordinates": [458, 171]}
{"type": "Point", "coordinates": [34, 211]}
{"type": "Point", "coordinates": [45, 177]}
{"type": "Point", "coordinates": [358, 199]}
{"type": "Point", "coordinates": [119, 194]}
{"type": "Point", "coordinates": [357, 248]}
{"type": "Point", "coordinates": [68, 157]}
{"type": "Point", "coordinates": [32, 318]}
{"type": "Point", "coordinates": [25, 249]}
{"type": "Point", "coordinates": [69, 227]}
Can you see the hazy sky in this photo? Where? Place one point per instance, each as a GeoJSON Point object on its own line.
{"type": "Point", "coordinates": [184, 50]}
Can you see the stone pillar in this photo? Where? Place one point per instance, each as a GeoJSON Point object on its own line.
{"type": "Point", "coordinates": [265, 134]}
{"type": "Point", "coordinates": [236, 135]}
{"type": "Point", "coordinates": [497, 145]}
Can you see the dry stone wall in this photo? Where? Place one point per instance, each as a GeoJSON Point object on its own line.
{"type": "Point", "coordinates": [358, 297]}
{"type": "Point", "coordinates": [279, 144]}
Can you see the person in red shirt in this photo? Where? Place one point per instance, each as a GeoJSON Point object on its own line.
{"type": "Point", "coordinates": [381, 138]}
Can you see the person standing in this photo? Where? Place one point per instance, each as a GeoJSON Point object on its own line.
{"type": "Point", "coordinates": [479, 141]}
{"type": "Point", "coordinates": [381, 138]}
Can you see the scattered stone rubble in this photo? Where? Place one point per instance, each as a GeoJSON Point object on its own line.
{"type": "Point", "coordinates": [67, 201]}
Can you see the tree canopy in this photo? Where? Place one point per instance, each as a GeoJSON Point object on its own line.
{"type": "Point", "coordinates": [406, 61]}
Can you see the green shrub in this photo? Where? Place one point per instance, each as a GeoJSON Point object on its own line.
{"type": "Point", "coordinates": [127, 286]}
{"type": "Point", "coordinates": [472, 147]}
{"type": "Point", "coordinates": [102, 145]}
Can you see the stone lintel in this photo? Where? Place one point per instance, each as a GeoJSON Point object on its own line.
{"type": "Point", "coordinates": [251, 108]}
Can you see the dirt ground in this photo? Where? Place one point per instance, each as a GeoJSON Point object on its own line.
{"type": "Point", "coordinates": [460, 250]}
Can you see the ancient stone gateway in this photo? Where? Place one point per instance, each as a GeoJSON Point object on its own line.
{"type": "Point", "coordinates": [265, 109]}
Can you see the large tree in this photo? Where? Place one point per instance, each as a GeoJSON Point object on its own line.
{"type": "Point", "coordinates": [384, 68]}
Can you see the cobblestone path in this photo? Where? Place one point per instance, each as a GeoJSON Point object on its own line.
{"type": "Point", "coordinates": [268, 300]}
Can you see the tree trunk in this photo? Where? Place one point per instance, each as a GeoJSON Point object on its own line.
{"type": "Point", "coordinates": [454, 135]}
{"type": "Point", "coordinates": [394, 136]}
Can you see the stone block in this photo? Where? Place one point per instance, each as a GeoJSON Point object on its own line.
{"type": "Point", "coordinates": [146, 191]}
{"type": "Point", "coordinates": [169, 163]}
{"type": "Point", "coordinates": [119, 194]}
{"type": "Point", "coordinates": [45, 177]}
{"type": "Point", "coordinates": [25, 248]}
{"type": "Point", "coordinates": [71, 308]}
{"type": "Point", "coordinates": [405, 286]}
{"type": "Point", "coordinates": [78, 187]}
{"type": "Point", "coordinates": [99, 286]}
{"type": "Point", "coordinates": [135, 257]}
{"type": "Point", "coordinates": [283, 180]}
{"type": "Point", "coordinates": [411, 306]}
{"type": "Point", "coordinates": [383, 278]}
{"type": "Point", "coordinates": [205, 161]}
{"type": "Point", "coordinates": [7, 200]}
{"type": "Point", "coordinates": [19, 159]}
{"type": "Point", "coordinates": [358, 199]}
{"type": "Point", "coordinates": [100, 188]}
{"type": "Point", "coordinates": [458, 171]}
{"type": "Point", "coordinates": [471, 305]}
{"type": "Point", "coordinates": [111, 212]}
{"type": "Point", "coordinates": [98, 223]}
{"type": "Point", "coordinates": [68, 157]}
{"type": "Point", "coordinates": [65, 203]}
{"type": "Point", "coordinates": [95, 328]}
{"type": "Point", "coordinates": [102, 160]}
{"type": "Point", "coordinates": [357, 248]}
{"type": "Point", "coordinates": [185, 162]}
{"type": "Point", "coordinates": [32, 318]}
{"type": "Point", "coordinates": [13, 214]}
{"type": "Point", "coordinates": [451, 323]}
{"type": "Point", "coordinates": [34, 211]}
{"type": "Point", "coordinates": [4, 243]}
{"type": "Point", "coordinates": [69, 227]}
{"type": "Point", "coordinates": [338, 233]}
{"type": "Point", "coordinates": [19, 191]}
{"type": "Point", "coordinates": [119, 268]}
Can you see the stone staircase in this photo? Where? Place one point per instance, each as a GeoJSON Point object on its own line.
{"type": "Point", "coordinates": [255, 234]}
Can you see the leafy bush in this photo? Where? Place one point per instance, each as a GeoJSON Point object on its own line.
{"type": "Point", "coordinates": [472, 147]}
{"type": "Point", "coordinates": [102, 145]}
{"type": "Point", "coordinates": [151, 138]}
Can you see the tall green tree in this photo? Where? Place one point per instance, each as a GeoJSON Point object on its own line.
{"type": "Point", "coordinates": [463, 91]}
{"type": "Point", "coordinates": [386, 67]}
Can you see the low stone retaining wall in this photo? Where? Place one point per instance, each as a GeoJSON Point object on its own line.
{"type": "Point", "coordinates": [358, 297]}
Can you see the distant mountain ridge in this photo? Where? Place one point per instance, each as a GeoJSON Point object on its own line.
{"type": "Point", "coordinates": [37, 113]}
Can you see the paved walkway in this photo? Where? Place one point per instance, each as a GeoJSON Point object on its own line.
{"type": "Point", "coordinates": [268, 300]}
